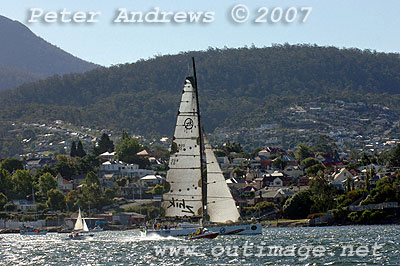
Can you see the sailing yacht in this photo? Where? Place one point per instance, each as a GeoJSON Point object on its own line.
{"type": "Point", "coordinates": [191, 193]}
{"type": "Point", "coordinates": [79, 228]}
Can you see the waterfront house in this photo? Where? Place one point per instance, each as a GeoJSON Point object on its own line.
{"type": "Point", "coordinates": [128, 218]}
{"type": "Point", "coordinates": [24, 205]}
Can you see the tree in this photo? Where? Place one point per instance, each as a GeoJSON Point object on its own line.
{"type": "Point", "coordinates": [365, 160]}
{"type": "Point", "coordinates": [313, 170]}
{"type": "Point", "coordinates": [92, 179]}
{"type": "Point", "coordinates": [298, 205]}
{"type": "Point", "coordinates": [255, 152]}
{"type": "Point", "coordinates": [233, 147]}
{"type": "Point", "coordinates": [368, 182]}
{"type": "Point", "coordinates": [5, 181]}
{"type": "Point", "coordinates": [91, 190]}
{"type": "Point", "coordinates": [22, 182]}
{"type": "Point", "coordinates": [72, 153]}
{"type": "Point", "coordinates": [127, 152]}
{"type": "Point", "coordinates": [11, 165]}
{"type": "Point", "coordinates": [124, 135]}
{"type": "Point", "coordinates": [326, 145]}
{"type": "Point", "coordinates": [158, 190]}
{"type": "Point", "coordinates": [46, 169]}
{"type": "Point", "coordinates": [47, 182]}
{"type": "Point", "coordinates": [394, 159]}
{"type": "Point", "coordinates": [110, 193]}
{"type": "Point", "coordinates": [279, 163]}
{"type": "Point", "coordinates": [219, 153]}
{"type": "Point", "coordinates": [385, 191]}
{"type": "Point", "coordinates": [73, 200]}
{"type": "Point", "coordinates": [104, 144]}
{"type": "Point", "coordinates": [65, 167]}
{"type": "Point", "coordinates": [56, 200]}
{"type": "Point", "coordinates": [303, 151]}
{"type": "Point", "coordinates": [80, 152]}
{"type": "Point", "coordinates": [92, 161]}
{"type": "Point", "coordinates": [323, 194]}
{"type": "Point", "coordinates": [9, 207]}
{"type": "Point", "coordinates": [348, 184]}
{"type": "Point", "coordinates": [308, 162]}
{"type": "Point", "coordinates": [3, 201]}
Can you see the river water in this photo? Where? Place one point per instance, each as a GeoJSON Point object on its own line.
{"type": "Point", "coordinates": [346, 245]}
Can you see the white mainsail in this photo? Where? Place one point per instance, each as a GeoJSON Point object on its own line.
{"type": "Point", "coordinates": [184, 175]}
{"type": "Point", "coordinates": [221, 207]}
{"type": "Point", "coordinates": [80, 224]}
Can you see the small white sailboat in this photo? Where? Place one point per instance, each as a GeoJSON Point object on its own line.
{"type": "Point", "coordinates": [80, 227]}
{"type": "Point", "coordinates": [192, 194]}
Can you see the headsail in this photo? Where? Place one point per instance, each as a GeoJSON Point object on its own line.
{"type": "Point", "coordinates": [85, 227]}
{"type": "Point", "coordinates": [78, 224]}
{"type": "Point", "coordinates": [221, 207]}
{"type": "Point", "coordinates": [184, 174]}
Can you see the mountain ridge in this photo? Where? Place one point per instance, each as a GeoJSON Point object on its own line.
{"type": "Point", "coordinates": [237, 87]}
{"type": "Point", "coordinates": [24, 51]}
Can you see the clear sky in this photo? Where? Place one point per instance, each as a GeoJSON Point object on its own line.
{"type": "Point", "coordinates": [365, 24]}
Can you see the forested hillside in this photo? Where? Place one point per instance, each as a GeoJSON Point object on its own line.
{"type": "Point", "coordinates": [237, 87]}
{"type": "Point", "coordinates": [26, 57]}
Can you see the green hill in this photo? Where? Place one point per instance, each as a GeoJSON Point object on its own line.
{"type": "Point", "coordinates": [237, 87]}
{"type": "Point", "coordinates": [25, 57]}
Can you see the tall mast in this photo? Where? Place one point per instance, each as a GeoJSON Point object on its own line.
{"type": "Point", "coordinates": [203, 177]}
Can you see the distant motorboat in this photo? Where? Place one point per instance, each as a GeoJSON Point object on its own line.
{"type": "Point", "coordinates": [96, 229]}
{"type": "Point", "coordinates": [203, 233]}
{"type": "Point", "coordinates": [30, 230]}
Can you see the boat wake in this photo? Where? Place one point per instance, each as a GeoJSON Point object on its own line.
{"type": "Point", "coordinates": [156, 237]}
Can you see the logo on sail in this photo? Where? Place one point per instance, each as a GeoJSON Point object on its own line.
{"type": "Point", "coordinates": [175, 203]}
{"type": "Point", "coordinates": [188, 123]}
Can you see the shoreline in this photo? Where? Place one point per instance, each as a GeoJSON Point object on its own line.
{"type": "Point", "coordinates": [303, 223]}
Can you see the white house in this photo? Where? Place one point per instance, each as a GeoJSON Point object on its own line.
{"type": "Point", "coordinates": [238, 161]}
{"type": "Point", "coordinates": [342, 175]}
{"type": "Point", "coordinates": [62, 184]}
{"type": "Point", "coordinates": [223, 162]}
{"type": "Point", "coordinates": [152, 180]}
{"type": "Point", "coordinates": [24, 205]}
{"type": "Point", "coordinates": [340, 178]}
{"type": "Point", "coordinates": [107, 156]}
{"type": "Point", "coordinates": [293, 171]}
{"type": "Point", "coordinates": [264, 153]}
{"type": "Point", "coordinates": [120, 169]}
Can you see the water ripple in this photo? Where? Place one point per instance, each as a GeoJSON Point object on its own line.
{"type": "Point", "coordinates": [130, 248]}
